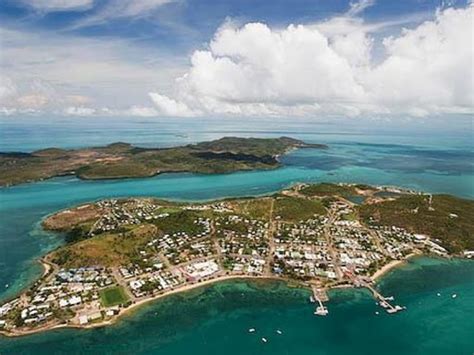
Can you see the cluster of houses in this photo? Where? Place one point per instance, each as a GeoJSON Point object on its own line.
{"type": "Point", "coordinates": [304, 232]}
{"type": "Point", "coordinates": [322, 247]}
{"type": "Point", "coordinates": [396, 242]}
{"type": "Point", "coordinates": [240, 236]}
{"type": "Point", "coordinates": [129, 212]}
{"type": "Point", "coordinates": [59, 297]}
{"type": "Point", "coordinates": [181, 246]}
{"type": "Point", "coordinates": [241, 265]}
{"type": "Point", "coordinates": [301, 250]}
{"type": "Point", "coordinates": [155, 282]}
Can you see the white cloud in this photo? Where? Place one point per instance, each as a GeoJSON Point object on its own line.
{"type": "Point", "coordinates": [142, 111]}
{"type": "Point", "coordinates": [35, 101]}
{"type": "Point", "coordinates": [115, 9]}
{"type": "Point", "coordinates": [7, 88]}
{"type": "Point", "coordinates": [101, 13]}
{"type": "Point", "coordinates": [429, 68]}
{"type": "Point", "coordinates": [58, 5]}
{"type": "Point", "coordinates": [328, 68]}
{"type": "Point", "coordinates": [358, 7]}
{"type": "Point", "coordinates": [52, 72]}
{"type": "Point", "coordinates": [170, 107]}
{"type": "Point", "coordinates": [79, 111]}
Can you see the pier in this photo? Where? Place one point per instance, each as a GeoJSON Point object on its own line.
{"type": "Point", "coordinates": [383, 301]}
{"type": "Point", "coordinates": [320, 296]}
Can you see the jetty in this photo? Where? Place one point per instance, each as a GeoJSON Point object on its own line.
{"type": "Point", "coordinates": [383, 301]}
{"type": "Point", "coordinates": [320, 296]}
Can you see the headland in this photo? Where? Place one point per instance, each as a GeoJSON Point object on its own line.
{"type": "Point", "coordinates": [122, 253]}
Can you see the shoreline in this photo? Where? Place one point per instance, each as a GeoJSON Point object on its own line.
{"type": "Point", "coordinates": [75, 321]}
{"type": "Point", "coordinates": [392, 265]}
{"type": "Point", "coordinates": [376, 277]}
{"type": "Point", "coordinates": [140, 303]}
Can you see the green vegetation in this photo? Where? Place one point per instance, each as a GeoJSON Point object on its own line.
{"type": "Point", "coordinates": [349, 217]}
{"type": "Point", "coordinates": [293, 209]}
{"type": "Point", "coordinates": [258, 208]}
{"type": "Point", "coordinates": [450, 219]}
{"type": "Point", "coordinates": [327, 189]}
{"type": "Point", "coordinates": [122, 160]}
{"type": "Point", "coordinates": [113, 296]}
{"type": "Point", "coordinates": [77, 233]}
{"type": "Point", "coordinates": [182, 221]}
{"type": "Point", "coordinates": [108, 249]}
{"type": "Point", "coordinates": [255, 146]}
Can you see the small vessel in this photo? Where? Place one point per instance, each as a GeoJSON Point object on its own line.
{"type": "Point", "coordinates": [279, 331]}
{"type": "Point", "coordinates": [454, 295]}
{"type": "Point", "coordinates": [396, 309]}
{"type": "Point", "coordinates": [6, 285]}
{"type": "Point", "coordinates": [438, 294]}
{"type": "Point", "coordinates": [251, 330]}
{"type": "Point", "coordinates": [311, 299]}
{"type": "Point", "coordinates": [321, 311]}
{"type": "Point", "coordinates": [389, 298]}
{"type": "Point", "coordinates": [264, 340]}
{"type": "Point", "coordinates": [377, 312]}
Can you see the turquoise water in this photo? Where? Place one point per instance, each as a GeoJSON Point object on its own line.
{"type": "Point", "coordinates": [215, 320]}
{"type": "Point", "coordinates": [441, 161]}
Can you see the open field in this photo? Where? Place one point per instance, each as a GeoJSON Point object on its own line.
{"type": "Point", "coordinates": [293, 209]}
{"type": "Point", "coordinates": [113, 296]}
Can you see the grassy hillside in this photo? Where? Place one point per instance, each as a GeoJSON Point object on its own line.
{"type": "Point", "coordinates": [122, 160]}
{"type": "Point", "coordinates": [328, 189]}
{"type": "Point", "coordinates": [413, 213]}
{"type": "Point", "coordinates": [292, 209]}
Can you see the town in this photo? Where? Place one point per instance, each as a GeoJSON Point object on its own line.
{"type": "Point", "coordinates": [158, 248]}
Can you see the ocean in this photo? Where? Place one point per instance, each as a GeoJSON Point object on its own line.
{"type": "Point", "coordinates": [215, 319]}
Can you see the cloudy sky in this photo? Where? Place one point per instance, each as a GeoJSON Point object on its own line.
{"type": "Point", "coordinates": [246, 58]}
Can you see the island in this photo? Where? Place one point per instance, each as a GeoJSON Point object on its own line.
{"type": "Point", "coordinates": [121, 253]}
{"type": "Point", "coordinates": [122, 160]}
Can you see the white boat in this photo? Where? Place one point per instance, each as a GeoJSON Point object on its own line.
{"type": "Point", "coordinates": [311, 299]}
{"type": "Point", "coordinates": [438, 294]}
{"type": "Point", "coordinates": [264, 340]}
{"type": "Point", "coordinates": [251, 330]}
{"type": "Point", "coordinates": [396, 309]}
{"type": "Point", "coordinates": [279, 332]}
{"type": "Point", "coordinates": [454, 295]}
{"type": "Point", "coordinates": [389, 298]}
{"type": "Point", "coordinates": [321, 311]}
{"type": "Point", "coordinates": [377, 312]}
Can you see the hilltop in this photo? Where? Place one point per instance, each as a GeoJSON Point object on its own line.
{"type": "Point", "coordinates": [123, 160]}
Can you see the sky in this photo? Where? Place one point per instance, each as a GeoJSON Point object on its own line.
{"type": "Point", "coordinates": [237, 58]}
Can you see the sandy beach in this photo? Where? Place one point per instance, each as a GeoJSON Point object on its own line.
{"type": "Point", "coordinates": [136, 305]}
{"type": "Point", "coordinates": [390, 266]}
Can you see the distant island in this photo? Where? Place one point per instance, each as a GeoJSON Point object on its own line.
{"type": "Point", "coordinates": [122, 160]}
{"type": "Point", "coordinates": [121, 253]}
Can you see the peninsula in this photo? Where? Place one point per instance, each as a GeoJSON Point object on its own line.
{"type": "Point", "coordinates": [121, 253]}
{"type": "Point", "coordinates": [122, 160]}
